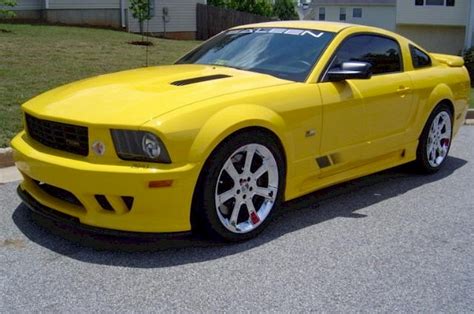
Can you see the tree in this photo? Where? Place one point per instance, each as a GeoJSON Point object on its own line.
{"type": "Point", "coordinates": [217, 3]}
{"type": "Point", "coordinates": [5, 8]}
{"type": "Point", "coordinates": [141, 11]}
{"type": "Point", "coordinates": [285, 10]}
{"type": "Point", "coordinates": [259, 7]}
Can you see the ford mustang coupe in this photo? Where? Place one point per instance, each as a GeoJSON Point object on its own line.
{"type": "Point", "coordinates": [257, 115]}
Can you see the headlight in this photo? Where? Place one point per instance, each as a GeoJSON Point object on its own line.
{"type": "Point", "coordinates": [139, 146]}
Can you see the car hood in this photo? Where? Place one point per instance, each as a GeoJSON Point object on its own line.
{"type": "Point", "coordinates": [135, 97]}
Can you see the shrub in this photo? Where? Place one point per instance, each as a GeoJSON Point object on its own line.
{"type": "Point", "coordinates": [259, 7]}
{"type": "Point", "coordinates": [5, 8]}
{"type": "Point", "coordinates": [285, 10]}
{"type": "Point", "coordinates": [469, 63]}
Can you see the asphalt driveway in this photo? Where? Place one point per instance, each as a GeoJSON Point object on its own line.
{"type": "Point", "coordinates": [394, 241]}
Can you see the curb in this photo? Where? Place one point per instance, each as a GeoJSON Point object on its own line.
{"type": "Point", "coordinates": [6, 157]}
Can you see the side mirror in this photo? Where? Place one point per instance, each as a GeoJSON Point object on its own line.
{"type": "Point", "coordinates": [350, 71]}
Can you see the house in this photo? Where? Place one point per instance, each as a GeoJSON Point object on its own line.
{"type": "Point", "coordinates": [379, 13]}
{"type": "Point", "coordinates": [441, 25]}
{"type": "Point", "coordinates": [438, 25]}
{"type": "Point", "coordinates": [175, 17]}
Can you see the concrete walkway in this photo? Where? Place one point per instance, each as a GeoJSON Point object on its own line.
{"type": "Point", "coordinates": [9, 174]}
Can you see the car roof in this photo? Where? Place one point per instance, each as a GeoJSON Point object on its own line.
{"type": "Point", "coordinates": [312, 25]}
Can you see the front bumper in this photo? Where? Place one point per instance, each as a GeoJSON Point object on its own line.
{"type": "Point", "coordinates": [152, 210]}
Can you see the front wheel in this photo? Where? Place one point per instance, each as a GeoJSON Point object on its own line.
{"type": "Point", "coordinates": [241, 185]}
{"type": "Point", "coordinates": [435, 141]}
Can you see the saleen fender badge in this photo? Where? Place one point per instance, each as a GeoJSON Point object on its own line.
{"type": "Point", "coordinates": [99, 148]}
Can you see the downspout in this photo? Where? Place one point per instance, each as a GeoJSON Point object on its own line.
{"type": "Point", "coordinates": [469, 26]}
{"type": "Point", "coordinates": [44, 14]}
{"type": "Point", "coordinates": [122, 13]}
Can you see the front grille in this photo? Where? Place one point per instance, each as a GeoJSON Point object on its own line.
{"type": "Point", "coordinates": [66, 137]}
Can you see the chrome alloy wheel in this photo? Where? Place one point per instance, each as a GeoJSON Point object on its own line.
{"type": "Point", "coordinates": [247, 188]}
{"type": "Point", "coordinates": [439, 139]}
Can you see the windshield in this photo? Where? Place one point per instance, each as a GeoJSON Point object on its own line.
{"type": "Point", "coordinates": [285, 53]}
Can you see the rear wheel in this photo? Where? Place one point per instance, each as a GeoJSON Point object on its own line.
{"type": "Point", "coordinates": [435, 140]}
{"type": "Point", "coordinates": [241, 185]}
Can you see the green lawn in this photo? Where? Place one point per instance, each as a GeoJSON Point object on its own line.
{"type": "Point", "coordinates": [36, 58]}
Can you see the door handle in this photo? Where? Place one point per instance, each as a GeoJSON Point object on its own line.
{"type": "Point", "coordinates": [403, 90]}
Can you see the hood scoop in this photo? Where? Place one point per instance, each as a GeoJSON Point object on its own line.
{"type": "Point", "coordinates": [199, 79]}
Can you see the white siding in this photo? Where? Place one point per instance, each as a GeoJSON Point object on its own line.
{"type": "Point", "coordinates": [84, 4]}
{"type": "Point", "coordinates": [409, 13]}
{"type": "Point", "coordinates": [29, 5]}
{"type": "Point", "coordinates": [182, 16]}
{"type": "Point", "coordinates": [379, 16]}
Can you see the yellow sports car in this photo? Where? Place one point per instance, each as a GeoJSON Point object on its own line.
{"type": "Point", "coordinates": [258, 115]}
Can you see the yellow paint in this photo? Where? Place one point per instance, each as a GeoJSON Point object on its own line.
{"type": "Point", "coordinates": [363, 125]}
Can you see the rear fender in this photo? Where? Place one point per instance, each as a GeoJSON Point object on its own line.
{"type": "Point", "coordinates": [440, 93]}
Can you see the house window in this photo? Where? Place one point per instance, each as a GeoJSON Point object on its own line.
{"type": "Point", "coordinates": [342, 14]}
{"type": "Point", "coordinates": [357, 12]}
{"type": "Point", "coordinates": [434, 2]}
{"type": "Point", "coordinates": [322, 14]}
{"type": "Point", "coordinates": [448, 3]}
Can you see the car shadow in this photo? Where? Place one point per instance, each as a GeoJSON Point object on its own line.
{"type": "Point", "coordinates": [295, 215]}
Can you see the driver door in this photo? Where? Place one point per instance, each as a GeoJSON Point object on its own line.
{"type": "Point", "coordinates": [361, 117]}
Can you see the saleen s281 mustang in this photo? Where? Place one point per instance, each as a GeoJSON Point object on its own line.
{"type": "Point", "coordinates": [257, 115]}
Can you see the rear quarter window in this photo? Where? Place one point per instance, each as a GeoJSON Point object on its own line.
{"type": "Point", "coordinates": [419, 58]}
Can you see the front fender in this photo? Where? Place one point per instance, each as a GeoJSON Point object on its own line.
{"type": "Point", "coordinates": [231, 119]}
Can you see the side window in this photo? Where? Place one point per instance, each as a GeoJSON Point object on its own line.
{"type": "Point", "coordinates": [419, 58]}
{"type": "Point", "coordinates": [381, 52]}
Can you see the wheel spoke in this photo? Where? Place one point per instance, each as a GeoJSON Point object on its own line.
{"type": "Point", "coordinates": [268, 193]}
{"type": "Point", "coordinates": [231, 171]}
{"type": "Point", "coordinates": [227, 195]}
{"type": "Point", "coordinates": [445, 135]}
{"type": "Point", "coordinates": [249, 158]}
{"type": "Point", "coordinates": [260, 171]}
{"type": "Point", "coordinates": [254, 219]}
{"type": "Point", "coordinates": [432, 153]}
{"type": "Point", "coordinates": [440, 120]}
{"type": "Point", "coordinates": [235, 214]}
{"type": "Point", "coordinates": [442, 126]}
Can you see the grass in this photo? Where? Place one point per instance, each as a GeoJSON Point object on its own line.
{"type": "Point", "coordinates": [35, 58]}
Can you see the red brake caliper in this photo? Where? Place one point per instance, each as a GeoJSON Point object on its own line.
{"type": "Point", "coordinates": [254, 218]}
{"type": "Point", "coordinates": [445, 142]}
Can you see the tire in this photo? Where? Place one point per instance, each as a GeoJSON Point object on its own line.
{"type": "Point", "coordinates": [435, 140]}
{"type": "Point", "coordinates": [235, 199]}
